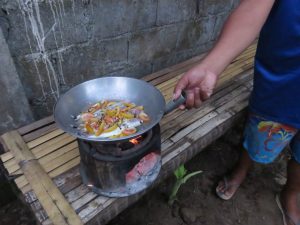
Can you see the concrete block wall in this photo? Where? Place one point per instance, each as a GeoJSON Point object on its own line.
{"type": "Point", "coordinates": [56, 44]}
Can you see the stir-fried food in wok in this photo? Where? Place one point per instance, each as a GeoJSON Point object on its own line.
{"type": "Point", "coordinates": [112, 119]}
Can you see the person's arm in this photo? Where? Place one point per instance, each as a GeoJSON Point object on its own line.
{"type": "Point", "coordinates": [239, 31]}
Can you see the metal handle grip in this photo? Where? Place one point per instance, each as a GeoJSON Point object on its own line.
{"type": "Point", "coordinates": [173, 104]}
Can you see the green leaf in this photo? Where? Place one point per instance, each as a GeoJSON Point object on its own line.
{"type": "Point", "coordinates": [180, 172]}
{"type": "Point", "coordinates": [185, 179]}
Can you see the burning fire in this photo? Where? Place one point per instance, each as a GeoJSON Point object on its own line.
{"type": "Point", "coordinates": [136, 141]}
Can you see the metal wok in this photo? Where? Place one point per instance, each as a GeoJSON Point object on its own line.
{"type": "Point", "coordinates": [80, 97]}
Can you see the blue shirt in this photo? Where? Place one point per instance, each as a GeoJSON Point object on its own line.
{"type": "Point", "coordinates": [276, 91]}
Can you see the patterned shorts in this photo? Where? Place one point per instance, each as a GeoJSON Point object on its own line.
{"type": "Point", "coordinates": [264, 140]}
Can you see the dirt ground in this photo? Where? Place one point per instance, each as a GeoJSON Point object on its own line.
{"type": "Point", "coordinates": [254, 203]}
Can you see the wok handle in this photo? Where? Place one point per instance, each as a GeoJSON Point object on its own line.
{"type": "Point", "coordinates": [173, 104]}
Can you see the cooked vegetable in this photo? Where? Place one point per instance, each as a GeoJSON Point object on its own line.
{"type": "Point", "coordinates": [129, 131]}
{"type": "Point", "coordinates": [112, 119]}
{"type": "Point", "coordinates": [143, 116]}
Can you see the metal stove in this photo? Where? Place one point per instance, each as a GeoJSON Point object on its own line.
{"type": "Point", "coordinates": [121, 168]}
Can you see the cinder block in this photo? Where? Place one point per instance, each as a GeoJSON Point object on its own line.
{"type": "Point", "coordinates": [55, 26]}
{"type": "Point", "coordinates": [112, 18]}
{"type": "Point", "coordinates": [180, 56]}
{"type": "Point", "coordinates": [172, 11]}
{"type": "Point", "coordinates": [219, 22]}
{"type": "Point", "coordinates": [151, 44]}
{"type": "Point", "coordinates": [213, 7]}
{"type": "Point", "coordinates": [78, 63]}
{"type": "Point", "coordinates": [133, 70]}
{"type": "Point", "coordinates": [88, 61]}
{"type": "Point", "coordinates": [194, 33]}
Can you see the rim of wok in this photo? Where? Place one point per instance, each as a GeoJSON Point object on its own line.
{"type": "Point", "coordinates": [154, 120]}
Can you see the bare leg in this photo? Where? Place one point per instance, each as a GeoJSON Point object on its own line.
{"type": "Point", "coordinates": [237, 176]}
{"type": "Point", "coordinates": [291, 191]}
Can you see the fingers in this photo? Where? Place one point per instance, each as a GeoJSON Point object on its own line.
{"type": "Point", "coordinates": [197, 98]}
{"type": "Point", "coordinates": [182, 107]}
{"type": "Point", "coordinates": [180, 86]}
{"type": "Point", "coordinates": [208, 85]}
{"type": "Point", "coordinates": [205, 94]}
{"type": "Point", "coordinates": [198, 87]}
{"type": "Point", "coordinates": [190, 99]}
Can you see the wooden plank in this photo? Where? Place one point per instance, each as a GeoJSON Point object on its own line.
{"type": "Point", "coordinates": [177, 151]}
{"type": "Point", "coordinates": [196, 125]}
{"type": "Point", "coordinates": [94, 207]}
{"type": "Point", "coordinates": [22, 182]}
{"type": "Point", "coordinates": [47, 222]}
{"type": "Point", "coordinates": [6, 156]}
{"type": "Point", "coordinates": [44, 138]}
{"type": "Point", "coordinates": [77, 193]}
{"type": "Point", "coordinates": [17, 173]}
{"type": "Point", "coordinates": [35, 125]}
{"type": "Point", "coordinates": [182, 133]}
{"type": "Point", "coordinates": [52, 165]}
{"type": "Point", "coordinates": [13, 167]}
{"type": "Point", "coordinates": [63, 181]}
{"type": "Point", "coordinates": [10, 163]}
{"type": "Point", "coordinates": [17, 147]}
{"type": "Point", "coordinates": [30, 197]}
{"type": "Point", "coordinates": [86, 198]}
{"type": "Point", "coordinates": [39, 132]}
{"type": "Point", "coordinates": [58, 153]}
{"type": "Point", "coordinates": [72, 163]}
{"type": "Point", "coordinates": [212, 124]}
{"type": "Point", "coordinates": [52, 145]}
{"type": "Point", "coordinates": [56, 206]}
{"type": "Point", "coordinates": [26, 189]}
{"type": "Point", "coordinates": [51, 161]}
{"type": "Point", "coordinates": [230, 104]}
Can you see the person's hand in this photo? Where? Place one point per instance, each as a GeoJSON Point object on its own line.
{"type": "Point", "coordinates": [198, 84]}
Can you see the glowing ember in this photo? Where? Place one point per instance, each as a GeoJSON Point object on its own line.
{"type": "Point", "coordinates": [144, 166]}
{"type": "Point", "coordinates": [135, 141]}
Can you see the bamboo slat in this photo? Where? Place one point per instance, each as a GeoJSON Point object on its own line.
{"type": "Point", "coordinates": [58, 209]}
{"type": "Point", "coordinates": [35, 125]}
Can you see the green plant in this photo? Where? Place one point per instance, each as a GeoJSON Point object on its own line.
{"type": "Point", "coordinates": [181, 177]}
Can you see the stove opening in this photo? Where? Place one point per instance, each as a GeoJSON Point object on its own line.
{"type": "Point", "coordinates": [131, 143]}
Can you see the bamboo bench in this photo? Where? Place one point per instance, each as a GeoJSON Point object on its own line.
{"type": "Point", "coordinates": [43, 160]}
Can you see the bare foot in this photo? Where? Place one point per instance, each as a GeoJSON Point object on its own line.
{"type": "Point", "coordinates": [289, 204]}
{"type": "Point", "coordinates": [228, 186]}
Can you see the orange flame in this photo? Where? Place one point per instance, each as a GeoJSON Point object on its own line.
{"type": "Point", "coordinates": [135, 141]}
